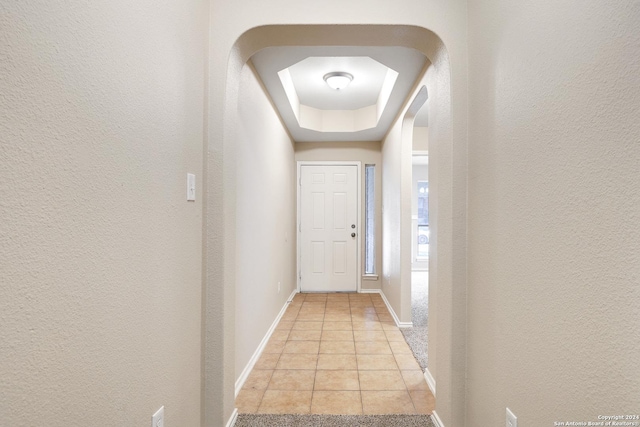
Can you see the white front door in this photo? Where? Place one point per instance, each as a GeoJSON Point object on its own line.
{"type": "Point", "coordinates": [328, 228]}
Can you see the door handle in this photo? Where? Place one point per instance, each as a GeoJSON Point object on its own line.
{"type": "Point", "coordinates": [353, 234]}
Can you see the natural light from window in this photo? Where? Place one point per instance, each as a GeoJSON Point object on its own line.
{"type": "Point", "coordinates": [369, 220]}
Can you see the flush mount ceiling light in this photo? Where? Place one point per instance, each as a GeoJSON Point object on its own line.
{"type": "Point", "coordinates": [338, 80]}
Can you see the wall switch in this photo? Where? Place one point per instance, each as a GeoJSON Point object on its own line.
{"type": "Point", "coordinates": [512, 420]}
{"type": "Point", "coordinates": [191, 187]}
{"type": "Point", "coordinates": [158, 418]}
{"type": "Point", "coordinates": [278, 287]}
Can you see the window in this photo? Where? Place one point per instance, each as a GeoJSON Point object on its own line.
{"type": "Point", "coordinates": [423, 220]}
{"type": "Point", "coordinates": [369, 220]}
{"type": "Point", "coordinates": [423, 203]}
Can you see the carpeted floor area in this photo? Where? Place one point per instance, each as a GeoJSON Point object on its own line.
{"type": "Point", "coordinates": [267, 420]}
{"type": "Point", "coordinates": [416, 336]}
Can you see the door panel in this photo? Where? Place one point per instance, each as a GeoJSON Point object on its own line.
{"type": "Point", "coordinates": [340, 258]}
{"type": "Point", "coordinates": [317, 209]}
{"type": "Point", "coordinates": [339, 211]}
{"type": "Point", "coordinates": [317, 257]}
{"type": "Point", "coordinates": [328, 209]}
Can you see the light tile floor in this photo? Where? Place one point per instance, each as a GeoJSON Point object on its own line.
{"type": "Point", "coordinates": [336, 354]}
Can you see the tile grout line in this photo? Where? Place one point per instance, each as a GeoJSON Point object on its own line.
{"type": "Point", "coordinates": [315, 374]}
{"type": "Point", "coordinates": [357, 364]}
{"type": "Point", "coordinates": [415, 409]}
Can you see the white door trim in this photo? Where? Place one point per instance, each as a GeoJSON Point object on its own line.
{"type": "Point", "coordinates": [358, 164]}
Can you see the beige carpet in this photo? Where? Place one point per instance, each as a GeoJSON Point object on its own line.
{"type": "Point", "coordinates": [417, 337]}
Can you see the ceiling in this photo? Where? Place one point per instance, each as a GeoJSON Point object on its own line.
{"type": "Point", "coordinates": [363, 111]}
{"type": "Point", "coordinates": [420, 160]}
{"type": "Point", "coordinates": [307, 76]}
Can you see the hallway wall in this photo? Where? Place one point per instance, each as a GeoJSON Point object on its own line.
{"type": "Point", "coordinates": [265, 217]}
{"type": "Point", "coordinates": [368, 153]}
{"type": "Point", "coordinates": [447, 235]}
{"type": "Point", "coordinates": [554, 208]}
{"type": "Point", "coordinates": [421, 138]}
{"type": "Point", "coordinates": [396, 219]}
{"type": "Point", "coordinates": [101, 118]}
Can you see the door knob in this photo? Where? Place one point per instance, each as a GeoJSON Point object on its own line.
{"type": "Point", "coordinates": [353, 226]}
{"type": "Point", "coordinates": [353, 234]}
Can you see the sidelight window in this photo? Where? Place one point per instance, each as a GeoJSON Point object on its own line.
{"type": "Point", "coordinates": [369, 220]}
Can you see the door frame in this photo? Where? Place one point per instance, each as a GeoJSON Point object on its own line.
{"type": "Point", "coordinates": [358, 165]}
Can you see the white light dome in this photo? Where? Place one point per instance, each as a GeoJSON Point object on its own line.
{"type": "Point", "coordinates": [338, 80]}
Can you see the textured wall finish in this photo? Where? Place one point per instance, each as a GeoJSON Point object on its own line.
{"type": "Point", "coordinates": [447, 262]}
{"type": "Point", "coordinates": [421, 137]}
{"type": "Point", "coordinates": [554, 208]}
{"type": "Point", "coordinates": [265, 217]}
{"type": "Point", "coordinates": [101, 117]}
{"type": "Point", "coordinates": [101, 257]}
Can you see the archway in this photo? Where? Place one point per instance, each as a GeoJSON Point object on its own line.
{"type": "Point", "coordinates": [219, 299]}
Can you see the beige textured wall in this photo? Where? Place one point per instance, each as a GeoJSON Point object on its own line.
{"type": "Point", "coordinates": [397, 151]}
{"type": "Point", "coordinates": [554, 208]}
{"type": "Point", "coordinates": [447, 262]}
{"type": "Point", "coordinates": [421, 138]}
{"type": "Point", "coordinates": [265, 217]}
{"type": "Point", "coordinates": [368, 153]}
{"type": "Point", "coordinates": [101, 117]}
{"type": "Point", "coordinates": [396, 170]}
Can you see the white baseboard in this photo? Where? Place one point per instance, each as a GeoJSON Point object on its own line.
{"type": "Point", "coordinates": [256, 355]}
{"type": "Point", "coordinates": [399, 324]}
{"type": "Point", "coordinates": [436, 419]}
{"type": "Point", "coordinates": [233, 418]}
{"type": "Point", "coordinates": [431, 382]}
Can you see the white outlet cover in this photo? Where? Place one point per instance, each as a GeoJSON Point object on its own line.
{"type": "Point", "coordinates": [158, 418]}
{"type": "Point", "coordinates": [512, 420]}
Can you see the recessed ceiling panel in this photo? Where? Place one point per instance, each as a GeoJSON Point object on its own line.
{"type": "Point", "coordinates": [312, 111]}
{"type": "Point", "coordinates": [308, 80]}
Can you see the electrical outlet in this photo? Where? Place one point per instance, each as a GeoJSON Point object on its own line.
{"type": "Point", "coordinates": [512, 420]}
{"type": "Point", "coordinates": [158, 418]}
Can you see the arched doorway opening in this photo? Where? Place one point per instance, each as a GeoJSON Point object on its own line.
{"type": "Point", "coordinates": [448, 344]}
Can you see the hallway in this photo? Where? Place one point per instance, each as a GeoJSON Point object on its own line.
{"type": "Point", "coordinates": [336, 354]}
{"type": "Point", "coordinates": [148, 210]}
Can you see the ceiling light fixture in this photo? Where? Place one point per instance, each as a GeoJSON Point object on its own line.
{"type": "Point", "coordinates": [338, 79]}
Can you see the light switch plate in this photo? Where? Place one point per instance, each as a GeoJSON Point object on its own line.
{"type": "Point", "coordinates": [158, 418]}
{"type": "Point", "coordinates": [512, 420]}
{"type": "Point", "coordinates": [191, 187]}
